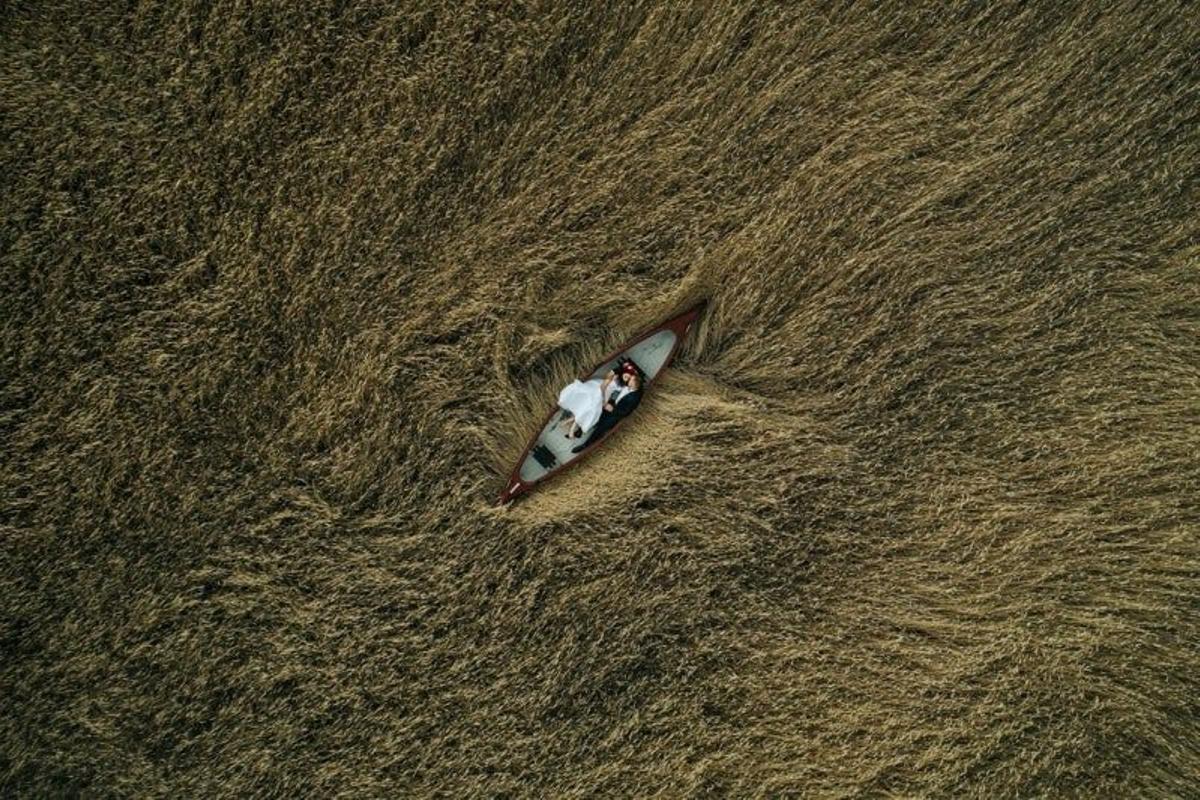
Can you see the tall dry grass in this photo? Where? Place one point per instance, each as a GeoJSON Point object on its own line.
{"type": "Point", "coordinates": [287, 285]}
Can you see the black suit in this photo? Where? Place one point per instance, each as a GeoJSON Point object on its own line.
{"type": "Point", "coordinates": [610, 418]}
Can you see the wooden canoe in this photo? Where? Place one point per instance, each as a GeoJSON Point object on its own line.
{"type": "Point", "coordinates": [549, 452]}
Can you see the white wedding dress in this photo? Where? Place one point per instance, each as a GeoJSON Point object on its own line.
{"type": "Point", "coordinates": [584, 401]}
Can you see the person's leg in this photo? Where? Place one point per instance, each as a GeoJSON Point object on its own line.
{"type": "Point", "coordinates": [606, 422]}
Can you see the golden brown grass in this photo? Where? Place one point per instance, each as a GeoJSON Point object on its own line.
{"type": "Point", "coordinates": [287, 285]}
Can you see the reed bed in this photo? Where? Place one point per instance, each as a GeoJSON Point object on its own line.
{"type": "Point", "coordinates": [287, 286]}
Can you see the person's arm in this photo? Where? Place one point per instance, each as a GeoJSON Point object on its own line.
{"type": "Point", "coordinates": [604, 384]}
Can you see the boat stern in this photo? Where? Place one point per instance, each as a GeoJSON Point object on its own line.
{"type": "Point", "coordinates": [515, 487]}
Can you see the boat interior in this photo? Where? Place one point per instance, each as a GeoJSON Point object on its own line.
{"type": "Point", "coordinates": [552, 451]}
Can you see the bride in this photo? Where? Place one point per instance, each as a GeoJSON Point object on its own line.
{"type": "Point", "coordinates": [584, 401]}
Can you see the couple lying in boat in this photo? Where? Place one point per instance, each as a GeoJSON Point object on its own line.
{"type": "Point", "coordinates": [593, 407]}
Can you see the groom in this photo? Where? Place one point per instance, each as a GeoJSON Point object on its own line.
{"type": "Point", "coordinates": [613, 413]}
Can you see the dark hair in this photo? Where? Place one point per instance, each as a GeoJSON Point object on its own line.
{"type": "Point", "coordinates": [622, 361]}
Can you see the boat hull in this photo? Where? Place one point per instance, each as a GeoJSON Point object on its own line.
{"type": "Point", "coordinates": [548, 453]}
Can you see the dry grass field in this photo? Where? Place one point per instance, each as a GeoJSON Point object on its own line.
{"type": "Point", "coordinates": [285, 286]}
